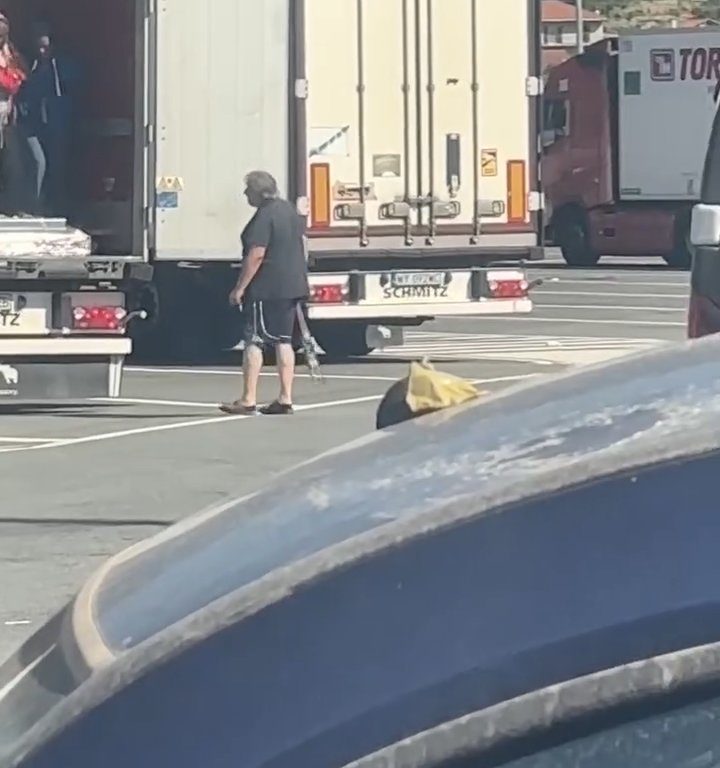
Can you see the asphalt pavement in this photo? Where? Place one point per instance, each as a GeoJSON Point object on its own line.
{"type": "Point", "coordinates": [80, 481]}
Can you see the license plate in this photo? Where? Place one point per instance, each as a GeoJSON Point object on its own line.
{"type": "Point", "coordinates": [404, 287]}
{"type": "Point", "coordinates": [408, 279]}
{"type": "Point", "coordinates": [7, 302]}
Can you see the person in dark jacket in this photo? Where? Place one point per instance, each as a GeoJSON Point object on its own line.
{"type": "Point", "coordinates": [270, 289]}
{"type": "Point", "coordinates": [47, 107]}
{"type": "Point", "coordinates": [13, 72]}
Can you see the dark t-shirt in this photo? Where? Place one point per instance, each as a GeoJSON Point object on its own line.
{"type": "Point", "coordinates": [277, 227]}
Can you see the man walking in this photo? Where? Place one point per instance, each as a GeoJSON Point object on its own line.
{"type": "Point", "coordinates": [271, 286]}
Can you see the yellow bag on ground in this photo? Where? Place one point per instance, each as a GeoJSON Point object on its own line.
{"type": "Point", "coordinates": [433, 390]}
{"type": "Point", "coordinates": [424, 390]}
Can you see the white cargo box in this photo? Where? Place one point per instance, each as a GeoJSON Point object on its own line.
{"type": "Point", "coordinates": [666, 84]}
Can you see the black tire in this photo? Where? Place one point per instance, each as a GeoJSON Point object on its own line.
{"type": "Point", "coordinates": [571, 234]}
{"type": "Point", "coordinates": [342, 340]}
{"type": "Point", "coordinates": [681, 255]}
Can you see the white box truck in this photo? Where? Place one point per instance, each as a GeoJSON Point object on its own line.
{"type": "Point", "coordinates": [667, 103]}
{"type": "Point", "coordinates": [626, 126]}
{"type": "Point", "coordinates": [405, 131]}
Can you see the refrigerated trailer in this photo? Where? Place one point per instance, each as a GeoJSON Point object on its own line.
{"type": "Point", "coordinates": [625, 131]}
{"type": "Point", "coordinates": [404, 130]}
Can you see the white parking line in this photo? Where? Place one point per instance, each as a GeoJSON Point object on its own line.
{"type": "Point", "coordinates": [311, 406]}
{"type": "Point", "coordinates": [605, 294]}
{"type": "Point", "coordinates": [65, 443]}
{"type": "Point", "coordinates": [612, 307]}
{"type": "Point", "coordinates": [588, 281]}
{"type": "Point", "coordinates": [176, 426]}
{"type": "Point", "coordinates": [31, 440]}
{"type": "Point", "coordinates": [237, 372]}
{"type": "Point", "coordinates": [584, 320]}
{"type": "Point", "coordinates": [151, 401]}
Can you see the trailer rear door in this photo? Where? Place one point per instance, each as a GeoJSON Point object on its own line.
{"type": "Point", "coordinates": [420, 129]}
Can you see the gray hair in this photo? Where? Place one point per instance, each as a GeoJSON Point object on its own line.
{"type": "Point", "coordinates": [262, 184]}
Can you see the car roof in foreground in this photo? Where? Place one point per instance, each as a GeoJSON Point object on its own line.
{"type": "Point", "coordinates": [529, 441]}
{"type": "Point", "coordinates": [347, 561]}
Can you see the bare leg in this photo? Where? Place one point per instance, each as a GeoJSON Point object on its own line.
{"type": "Point", "coordinates": [40, 163]}
{"type": "Point", "coordinates": [286, 371]}
{"type": "Point", "coordinates": [252, 365]}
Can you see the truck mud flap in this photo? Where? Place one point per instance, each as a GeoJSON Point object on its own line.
{"type": "Point", "coordinates": [57, 379]}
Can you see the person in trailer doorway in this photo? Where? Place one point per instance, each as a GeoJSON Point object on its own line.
{"type": "Point", "coordinates": [47, 105]}
{"type": "Point", "coordinates": [14, 198]}
{"type": "Point", "coordinates": [271, 288]}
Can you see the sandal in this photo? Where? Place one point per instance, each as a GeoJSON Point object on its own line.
{"type": "Point", "coordinates": [277, 408]}
{"type": "Point", "coordinates": [238, 409]}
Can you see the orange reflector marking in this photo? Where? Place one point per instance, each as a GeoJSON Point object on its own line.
{"type": "Point", "coordinates": [320, 195]}
{"type": "Point", "coordinates": [516, 191]}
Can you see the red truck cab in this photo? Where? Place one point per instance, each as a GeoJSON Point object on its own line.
{"type": "Point", "coordinates": [587, 214]}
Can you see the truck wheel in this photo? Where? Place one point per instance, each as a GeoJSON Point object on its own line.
{"type": "Point", "coordinates": [571, 235]}
{"type": "Point", "coordinates": [681, 255]}
{"type": "Point", "coordinates": [340, 341]}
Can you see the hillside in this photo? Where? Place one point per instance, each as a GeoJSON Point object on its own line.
{"type": "Point", "coordinates": [622, 13]}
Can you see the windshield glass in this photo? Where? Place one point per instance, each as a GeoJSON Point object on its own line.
{"type": "Point", "coordinates": [684, 738]}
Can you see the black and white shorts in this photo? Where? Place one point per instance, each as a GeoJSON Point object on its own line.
{"type": "Point", "coordinates": [270, 322]}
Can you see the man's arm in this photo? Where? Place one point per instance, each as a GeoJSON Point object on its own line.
{"type": "Point", "coordinates": [258, 242]}
{"type": "Point", "coordinates": [250, 266]}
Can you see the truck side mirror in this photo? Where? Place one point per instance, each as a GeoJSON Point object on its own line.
{"type": "Point", "coordinates": [705, 226]}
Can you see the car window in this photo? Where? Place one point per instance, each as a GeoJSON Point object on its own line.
{"type": "Point", "coordinates": [684, 738]}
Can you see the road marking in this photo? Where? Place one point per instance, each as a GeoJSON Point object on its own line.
{"type": "Point", "coordinates": [17, 623]}
{"type": "Point", "coordinates": [534, 340]}
{"type": "Point", "coordinates": [103, 437]}
{"type": "Point", "coordinates": [501, 379]}
{"type": "Point", "coordinates": [150, 401]}
{"type": "Point", "coordinates": [213, 406]}
{"type": "Point", "coordinates": [609, 306]}
{"type": "Point", "coordinates": [238, 372]}
{"type": "Point", "coordinates": [24, 672]}
{"type": "Point", "coordinates": [573, 294]}
{"type": "Point", "coordinates": [615, 282]}
{"type": "Point", "coordinates": [585, 320]}
{"type": "Point", "coordinates": [30, 439]}
{"type": "Point", "coordinates": [540, 350]}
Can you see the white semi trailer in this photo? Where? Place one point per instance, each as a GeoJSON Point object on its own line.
{"type": "Point", "coordinates": [405, 131]}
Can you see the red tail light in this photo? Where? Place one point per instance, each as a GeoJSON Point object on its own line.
{"type": "Point", "coordinates": [508, 289]}
{"type": "Point", "coordinates": [98, 318]}
{"type": "Point", "coordinates": [694, 327]}
{"type": "Point", "coordinates": [332, 293]}
{"type": "Point", "coordinates": [703, 316]}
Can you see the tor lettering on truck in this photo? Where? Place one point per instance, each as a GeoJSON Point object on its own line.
{"type": "Point", "coordinates": [699, 64]}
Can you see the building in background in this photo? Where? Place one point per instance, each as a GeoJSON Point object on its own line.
{"type": "Point", "coordinates": [559, 31]}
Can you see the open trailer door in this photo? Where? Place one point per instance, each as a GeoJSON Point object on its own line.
{"type": "Point", "coordinates": [222, 110]}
